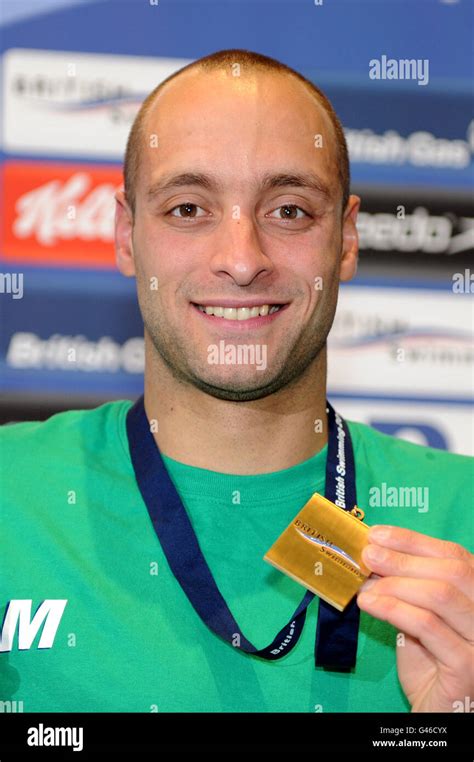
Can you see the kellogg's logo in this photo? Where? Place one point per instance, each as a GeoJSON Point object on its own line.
{"type": "Point", "coordinates": [59, 214]}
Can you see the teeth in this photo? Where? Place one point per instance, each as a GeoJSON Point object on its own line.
{"type": "Point", "coordinates": [240, 313]}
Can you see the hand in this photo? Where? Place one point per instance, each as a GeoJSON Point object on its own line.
{"type": "Point", "coordinates": [424, 587]}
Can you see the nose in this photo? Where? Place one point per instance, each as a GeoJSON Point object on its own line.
{"type": "Point", "coordinates": [238, 252]}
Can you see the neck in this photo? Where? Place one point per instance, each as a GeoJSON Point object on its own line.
{"type": "Point", "coordinates": [270, 434]}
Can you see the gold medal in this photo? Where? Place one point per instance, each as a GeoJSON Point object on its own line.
{"type": "Point", "coordinates": [321, 549]}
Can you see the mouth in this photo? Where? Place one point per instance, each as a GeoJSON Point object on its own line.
{"type": "Point", "coordinates": [240, 313]}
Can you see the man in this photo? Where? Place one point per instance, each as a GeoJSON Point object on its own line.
{"type": "Point", "coordinates": [236, 221]}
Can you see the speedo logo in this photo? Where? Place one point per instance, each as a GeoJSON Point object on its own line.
{"type": "Point", "coordinates": [308, 533]}
{"type": "Point", "coordinates": [18, 619]}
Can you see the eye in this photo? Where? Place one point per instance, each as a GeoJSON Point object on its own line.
{"type": "Point", "coordinates": [290, 210]}
{"type": "Point", "coordinates": [189, 213]}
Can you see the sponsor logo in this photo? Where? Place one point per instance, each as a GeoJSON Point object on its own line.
{"type": "Point", "coordinates": [81, 104]}
{"type": "Point", "coordinates": [63, 215]}
{"type": "Point", "coordinates": [449, 347]}
{"type": "Point", "coordinates": [58, 214]}
{"type": "Point", "coordinates": [341, 463]}
{"type": "Point", "coordinates": [418, 231]}
{"type": "Point", "coordinates": [286, 641]}
{"type": "Point", "coordinates": [326, 545]}
{"type": "Point", "coordinates": [418, 149]}
{"type": "Point", "coordinates": [75, 353]}
{"type": "Point", "coordinates": [409, 342]}
{"type": "Point", "coordinates": [18, 615]}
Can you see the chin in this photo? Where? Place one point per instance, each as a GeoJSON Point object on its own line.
{"type": "Point", "coordinates": [239, 390]}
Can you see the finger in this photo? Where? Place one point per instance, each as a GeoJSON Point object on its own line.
{"type": "Point", "coordinates": [409, 541]}
{"type": "Point", "coordinates": [440, 640]}
{"type": "Point", "coordinates": [391, 563]}
{"type": "Point", "coordinates": [446, 601]}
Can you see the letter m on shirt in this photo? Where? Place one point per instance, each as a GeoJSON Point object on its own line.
{"type": "Point", "coordinates": [18, 613]}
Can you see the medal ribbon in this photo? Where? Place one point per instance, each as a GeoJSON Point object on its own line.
{"type": "Point", "coordinates": [336, 634]}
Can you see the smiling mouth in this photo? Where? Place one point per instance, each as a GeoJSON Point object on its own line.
{"type": "Point", "coordinates": [240, 313]}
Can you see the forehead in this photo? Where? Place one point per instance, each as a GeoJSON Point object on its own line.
{"type": "Point", "coordinates": [237, 124]}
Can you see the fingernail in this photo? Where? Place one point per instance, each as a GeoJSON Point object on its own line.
{"type": "Point", "coordinates": [367, 585]}
{"type": "Point", "coordinates": [374, 553]}
{"type": "Point", "coordinates": [380, 532]}
{"type": "Point", "coordinates": [368, 597]}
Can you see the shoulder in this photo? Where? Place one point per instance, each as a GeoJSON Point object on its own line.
{"type": "Point", "coordinates": [63, 433]}
{"type": "Point", "coordinates": [382, 452]}
{"type": "Point", "coordinates": [406, 484]}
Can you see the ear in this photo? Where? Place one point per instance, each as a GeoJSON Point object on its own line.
{"type": "Point", "coordinates": [350, 240]}
{"type": "Point", "coordinates": [123, 235]}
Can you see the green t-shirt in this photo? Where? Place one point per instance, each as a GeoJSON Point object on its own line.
{"type": "Point", "coordinates": [73, 527]}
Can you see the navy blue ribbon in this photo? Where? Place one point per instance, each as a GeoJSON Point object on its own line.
{"type": "Point", "coordinates": [185, 558]}
{"type": "Point", "coordinates": [337, 631]}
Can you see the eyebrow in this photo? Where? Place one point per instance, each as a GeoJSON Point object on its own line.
{"type": "Point", "coordinates": [307, 180]}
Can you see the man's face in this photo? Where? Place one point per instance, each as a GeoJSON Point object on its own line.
{"type": "Point", "coordinates": [236, 245]}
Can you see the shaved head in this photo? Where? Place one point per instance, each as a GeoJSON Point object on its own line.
{"type": "Point", "coordinates": [233, 63]}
